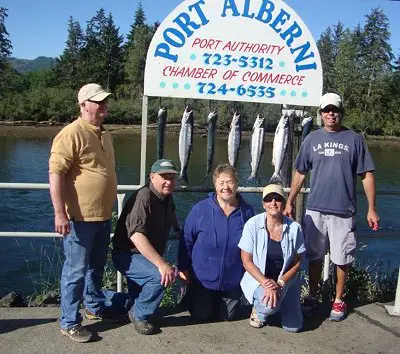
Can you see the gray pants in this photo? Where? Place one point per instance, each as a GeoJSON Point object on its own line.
{"type": "Point", "coordinates": [206, 305]}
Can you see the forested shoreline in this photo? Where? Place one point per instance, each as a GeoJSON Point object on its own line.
{"type": "Point", "coordinates": [358, 63]}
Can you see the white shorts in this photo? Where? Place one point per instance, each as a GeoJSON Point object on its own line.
{"type": "Point", "coordinates": [323, 232]}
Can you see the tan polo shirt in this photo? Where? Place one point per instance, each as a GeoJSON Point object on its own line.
{"type": "Point", "coordinates": [84, 154]}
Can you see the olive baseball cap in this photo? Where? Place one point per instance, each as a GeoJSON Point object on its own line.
{"type": "Point", "coordinates": [92, 92]}
{"type": "Point", "coordinates": [273, 188]}
{"type": "Point", "coordinates": [163, 166]}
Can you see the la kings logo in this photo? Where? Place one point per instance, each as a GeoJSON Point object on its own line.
{"type": "Point", "coordinates": [330, 149]}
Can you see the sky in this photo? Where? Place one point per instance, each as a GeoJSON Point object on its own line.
{"type": "Point", "coordinates": [39, 27]}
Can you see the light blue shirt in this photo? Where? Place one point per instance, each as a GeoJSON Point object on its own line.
{"type": "Point", "coordinates": [254, 240]}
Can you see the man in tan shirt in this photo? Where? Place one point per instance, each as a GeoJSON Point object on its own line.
{"type": "Point", "coordinates": [83, 188]}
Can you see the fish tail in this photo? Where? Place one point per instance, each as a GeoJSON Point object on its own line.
{"type": "Point", "coordinates": [183, 176]}
{"type": "Point", "coordinates": [208, 170]}
{"type": "Point", "coordinates": [253, 179]}
{"type": "Point", "coordinates": [275, 179]}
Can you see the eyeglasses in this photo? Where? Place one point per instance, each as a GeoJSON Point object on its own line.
{"type": "Point", "coordinates": [333, 109]}
{"type": "Point", "coordinates": [270, 197]}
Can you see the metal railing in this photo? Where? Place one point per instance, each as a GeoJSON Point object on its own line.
{"type": "Point", "coordinates": [393, 310]}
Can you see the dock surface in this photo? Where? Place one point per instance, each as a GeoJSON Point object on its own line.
{"type": "Point", "coordinates": [368, 329]}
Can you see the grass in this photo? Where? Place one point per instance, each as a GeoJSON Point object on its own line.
{"type": "Point", "coordinates": [48, 283]}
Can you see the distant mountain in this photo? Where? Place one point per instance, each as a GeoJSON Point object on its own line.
{"type": "Point", "coordinates": [27, 65]}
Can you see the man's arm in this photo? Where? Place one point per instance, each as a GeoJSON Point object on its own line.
{"type": "Point", "coordinates": [297, 182]}
{"type": "Point", "coordinates": [368, 181]}
{"type": "Point", "coordinates": [144, 246]}
{"type": "Point", "coordinates": [57, 190]}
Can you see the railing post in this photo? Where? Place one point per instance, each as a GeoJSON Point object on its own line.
{"type": "Point", "coordinates": [143, 148]}
{"type": "Point", "coordinates": [326, 267]}
{"type": "Point", "coordinates": [120, 198]}
{"type": "Point", "coordinates": [395, 310]}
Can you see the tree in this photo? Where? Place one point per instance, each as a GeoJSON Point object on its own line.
{"type": "Point", "coordinates": [376, 58]}
{"type": "Point", "coordinates": [103, 53]}
{"type": "Point", "coordinates": [69, 65]}
{"type": "Point", "coordinates": [325, 47]}
{"type": "Point", "coordinates": [112, 42]}
{"type": "Point", "coordinates": [5, 43]}
{"type": "Point", "coordinates": [347, 78]}
{"type": "Point", "coordinates": [136, 60]}
{"type": "Point", "coordinates": [136, 48]}
{"type": "Point", "coordinates": [10, 80]}
{"type": "Point", "coordinates": [139, 21]}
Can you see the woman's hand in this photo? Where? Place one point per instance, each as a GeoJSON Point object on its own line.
{"type": "Point", "coordinates": [270, 298]}
{"type": "Point", "coordinates": [270, 284]}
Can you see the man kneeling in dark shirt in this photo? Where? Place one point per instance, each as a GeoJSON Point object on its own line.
{"type": "Point", "coordinates": [139, 243]}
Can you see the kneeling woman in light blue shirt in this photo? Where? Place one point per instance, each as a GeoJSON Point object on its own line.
{"type": "Point", "coordinates": [271, 246]}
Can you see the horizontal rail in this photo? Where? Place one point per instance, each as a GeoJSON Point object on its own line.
{"type": "Point", "coordinates": [134, 187]}
{"type": "Point", "coordinates": [384, 234]}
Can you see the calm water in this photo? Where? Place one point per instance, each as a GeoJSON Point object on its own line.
{"type": "Point", "coordinates": [24, 262]}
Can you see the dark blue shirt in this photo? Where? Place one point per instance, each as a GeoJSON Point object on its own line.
{"type": "Point", "coordinates": [274, 263]}
{"type": "Point", "coordinates": [335, 160]}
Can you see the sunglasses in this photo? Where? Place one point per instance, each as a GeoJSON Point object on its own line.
{"type": "Point", "coordinates": [270, 197]}
{"type": "Point", "coordinates": [333, 109]}
{"type": "Point", "coordinates": [99, 102]}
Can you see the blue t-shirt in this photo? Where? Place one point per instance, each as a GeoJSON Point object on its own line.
{"type": "Point", "coordinates": [335, 160]}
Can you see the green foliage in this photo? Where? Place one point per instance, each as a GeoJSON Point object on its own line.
{"type": "Point", "coordinates": [24, 66]}
{"type": "Point", "coordinates": [136, 52]}
{"type": "Point", "coordinates": [102, 54]}
{"type": "Point", "coordinates": [139, 21]}
{"type": "Point", "coordinates": [69, 66]}
{"type": "Point", "coordinates": [49, 267]}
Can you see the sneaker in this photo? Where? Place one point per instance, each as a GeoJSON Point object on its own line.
{"type": "Point", "coordinates": [105, 315]}
{"type": "Point", "coordinates": [77, 333]}
{"type": "Point", "coordinates": [142, 326]}
{"type": "Point", "coordinates": [309, 305]}
{"type": "Point", "coordinates": [338, 312]}
{"type": "Point", "coordinates": [254, 320]}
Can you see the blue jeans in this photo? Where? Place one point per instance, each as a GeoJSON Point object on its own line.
{"type": "Point", "coordinates": [288, 305]}
{"type": "Point", "coordinates": [144, 283]}
{"type": "Point", "coordinates": [85, 249]}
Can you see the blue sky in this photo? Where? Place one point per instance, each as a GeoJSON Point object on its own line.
{"type": "Point", "coordinates": [39, 27]}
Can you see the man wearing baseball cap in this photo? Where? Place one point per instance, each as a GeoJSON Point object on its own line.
{"type": "Point", "coordinates": [139, 242]}
{"type": "Point", "coordinates": [336, 156]}
{"type": "Point", "coordinates": [83, 188]}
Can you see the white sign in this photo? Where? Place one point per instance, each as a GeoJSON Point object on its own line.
{"type": "Point", "coordinates": [235, 50]}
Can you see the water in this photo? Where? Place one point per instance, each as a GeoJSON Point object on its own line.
{"type": "Point", "coordinates": [26, 262]}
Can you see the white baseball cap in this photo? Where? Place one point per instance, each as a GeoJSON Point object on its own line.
{"type": "Point", "coordinates": [93, 92]}
{"type": "Point", "coordinates": [330, 99]}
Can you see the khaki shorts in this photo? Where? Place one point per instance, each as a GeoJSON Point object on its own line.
{"type": "Point", "coordinates": [323, 232]}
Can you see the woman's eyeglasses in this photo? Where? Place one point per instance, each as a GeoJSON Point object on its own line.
{"type": "Point", "coordinates": [270, 197]}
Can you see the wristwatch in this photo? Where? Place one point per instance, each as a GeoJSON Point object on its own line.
{"type": "Point", "coordinates": [281, 283]}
